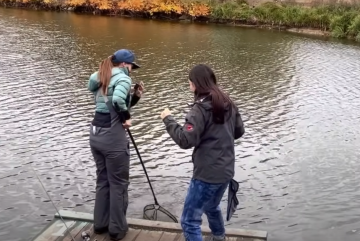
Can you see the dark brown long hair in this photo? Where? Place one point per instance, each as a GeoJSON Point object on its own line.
{"type": "Point", "coordinates": [105, 73]}
{"type": "Point", "coordinates": [205, 83]}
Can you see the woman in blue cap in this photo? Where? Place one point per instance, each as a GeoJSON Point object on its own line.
{"type": "Point", "coordinates": [211, 126]}
{"type": "Point", "coordinates": [111, 86]}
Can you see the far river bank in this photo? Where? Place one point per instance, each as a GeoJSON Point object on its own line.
{"type": "Point", "coordinates": [335, 20]}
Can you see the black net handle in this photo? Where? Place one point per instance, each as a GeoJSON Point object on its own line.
{"type": "Point", "coordinates": [142, 163]}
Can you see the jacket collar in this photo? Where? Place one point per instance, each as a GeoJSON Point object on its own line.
{"type": "Point", "coordinates": [118, 70]}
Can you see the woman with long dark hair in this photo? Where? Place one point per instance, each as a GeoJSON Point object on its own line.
{"type": "Point", "coordinates": [111, 86]}
{"type": "Point", "coordinates": [211, 126]}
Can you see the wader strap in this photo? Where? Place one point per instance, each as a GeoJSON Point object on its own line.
{"type": "Point", "coordinates": [114, 115]}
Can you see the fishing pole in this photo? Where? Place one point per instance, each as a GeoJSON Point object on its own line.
{"type": "Point", "coordinates": [187, 95]}
{"type": "Point", "coordinates": [42, 185]}
{"type": "Point", "coordinates": [191, 98]}
{"type": "Point", "coordinates": [52, 202]}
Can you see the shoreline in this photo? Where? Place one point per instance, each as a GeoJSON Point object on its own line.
{"type": "Point", "coordinates": [179, 18]}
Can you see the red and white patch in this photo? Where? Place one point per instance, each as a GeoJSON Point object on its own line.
{"type": "Point", "coordinates": [189, 127]}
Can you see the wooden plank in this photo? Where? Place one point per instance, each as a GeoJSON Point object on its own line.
{"type": "Point", "coordinates": [131, 235]}
{"type": "Point", "coordinates": [56, 230]}
{"type": "Point", "coordinates": [165, 226]}
{"type": "Point", "coordinates": [146, 235]}
{"type": "Point", "coordinates": [181, 238]}
{"type": "Point", "coordinates": [205, 237]}
{"type": "Point", "coordinates": [99, 237]}
{"type": "Point", "coordinates": [170, 236]}
{"type": "Point", "coordinates": [244, 239]}
{"type": "Point", "coordinates": [73, 231]}
{"type": "Point", "coordinates": [44, 229]}
{"type": "Point", "coordinates": [67, 214]}
{"type": "Point", "coordinates": [232, 239]}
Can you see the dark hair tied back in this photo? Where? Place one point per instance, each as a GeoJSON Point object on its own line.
{"type": "Point", "coordinates": [205, 83]}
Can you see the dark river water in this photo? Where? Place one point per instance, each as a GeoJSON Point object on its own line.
{"type": "Point", "coordinates": [298, 163]}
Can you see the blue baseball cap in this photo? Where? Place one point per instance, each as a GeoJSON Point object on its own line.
{"type": "Point", "coordinates": [124, 55]}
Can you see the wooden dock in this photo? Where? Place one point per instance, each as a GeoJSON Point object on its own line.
{"type": "Point", "coordinates": [139, 230]}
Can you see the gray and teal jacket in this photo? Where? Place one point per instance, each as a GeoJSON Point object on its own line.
{"type": "Point", "coordinates": [118, 93]}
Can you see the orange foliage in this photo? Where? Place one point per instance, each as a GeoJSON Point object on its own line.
{"type": "Point", "coordinates": [199, 10]}
{"type": "Point", "coordinates": [100, 4]}
{"type": "Point", "coordinates": [76, 2]}
{"type": "Point", "coordinates": [188, 7]}
{"type": "Point", "coordinates": [148, 6]}
{"type": "Point", "coordinates": [151, 6]}
{"type": "Point", "coordinates": [133, 5]}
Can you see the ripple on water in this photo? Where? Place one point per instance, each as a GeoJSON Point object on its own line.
{"type": "Point", "coordinates": [296, 164]}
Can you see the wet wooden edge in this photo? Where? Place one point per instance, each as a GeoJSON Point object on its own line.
{"type": "Point", "coordinates": [45, 228]}
{"type": "Point", "coordinates": [163, 226]}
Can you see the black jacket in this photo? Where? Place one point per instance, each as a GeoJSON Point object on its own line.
{"type": "Point", "coordinates": [214, 153]}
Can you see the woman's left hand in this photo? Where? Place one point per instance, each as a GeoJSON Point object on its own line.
{"type": "Point", "coordinates": [140, 90]}
{"type": "Point", "coordinates": [165, 113]}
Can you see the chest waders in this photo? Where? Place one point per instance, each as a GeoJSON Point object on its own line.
{"type": "Point", "coordinates": [110, 149]}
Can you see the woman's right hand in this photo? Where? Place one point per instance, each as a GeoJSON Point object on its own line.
{"type": "Point", "coordinates": [140, 90]}
{"type": "Point", "coordinates": [127, 124]}
{"type": "Point", "coordinates": [166, 112]}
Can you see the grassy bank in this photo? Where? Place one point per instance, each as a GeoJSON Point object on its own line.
{"type": "Point", "coordinates": [339, 20]}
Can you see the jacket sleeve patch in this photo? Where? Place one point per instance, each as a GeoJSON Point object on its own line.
{"type": "Point", "coordinates": [189, 127]}
{"type": "Point", "coordinates": [189, 134]}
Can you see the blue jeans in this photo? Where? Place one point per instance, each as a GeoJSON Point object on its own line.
{"type": "Point", "coordinates": [202, 198]}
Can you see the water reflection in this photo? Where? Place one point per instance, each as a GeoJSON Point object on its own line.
{"type": "Point", "coordinates": [296, 162]}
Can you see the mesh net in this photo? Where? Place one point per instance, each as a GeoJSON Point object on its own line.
{"type": "Point", "coordinates": [153, 211]}
{"type": "Point", "coordinates": [157, 213]}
